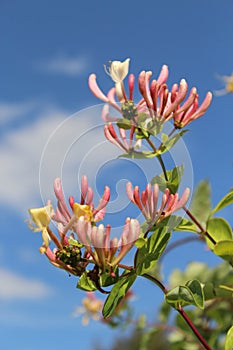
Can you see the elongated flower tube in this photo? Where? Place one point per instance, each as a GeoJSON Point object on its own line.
{"type": "Point", "coordinates": [84, 208]}
{"type": "Point", "coordinates": [121, 93]}
{"type": "Point", "coordinates": [157, 101]}
{"type": "Point", "coordinates": [122, 142]}
{"type": "Point", "coordinates": [103, 249]}
{"type": "Point", "coordinates": [147, 202]}
{"type": "Point", "coordinates": [164, 105]}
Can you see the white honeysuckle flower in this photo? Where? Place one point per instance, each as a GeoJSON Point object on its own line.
{"type": "Point", "coordinates": [118, 70]}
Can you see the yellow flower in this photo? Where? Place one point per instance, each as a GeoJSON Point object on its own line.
{"type": "Point", "coordinates": [41, 218]}
{"type": "Point", "coordinates": [228, 80]}
{"type": "Point", "coordinates": [229, 83]}
{"type": "Point", "coordinates": [91, 308]}
{"type": "Point", "coordinates": [83, 210]}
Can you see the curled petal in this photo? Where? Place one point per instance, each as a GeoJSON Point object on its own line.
{"type": "Point", "coordinates": [95, 88]}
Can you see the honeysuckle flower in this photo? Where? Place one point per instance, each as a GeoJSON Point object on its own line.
{"type": "Point", "coordinates": [91, 308]}
{"type": "Point", "coordinates": [164, 105]}
{"type": "Point", "coordinates": [143, 82]}
{"type": "Point", "coordinates": [157, 101]}
{"type": "Point", "coordinates": [228, 80]}
{"type": "Point", "coordinates": [147, 202]}
{"type": "Point", "coordinates": [41, 218]}
{"type": "Point", "coordinates": [123, 143]}
{"type": "Point", "coordinates": [85, 208]}
{"type": "Point", "coordinates": [98, 244]}
{"type": "Point", "coordinates": [118, 70]}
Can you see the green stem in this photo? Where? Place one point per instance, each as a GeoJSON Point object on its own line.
{"type": "Point", "coordinates": [159, 158]}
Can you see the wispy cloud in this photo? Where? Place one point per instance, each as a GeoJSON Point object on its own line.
{"type": "Point", "coordinates": [65, 65]}
{"type": "Point", "coordinates": [14, 286]}
{"type": "Point", "coordinates": [11, 111]}
{"type": "Point", "coordinates": [51, 144]}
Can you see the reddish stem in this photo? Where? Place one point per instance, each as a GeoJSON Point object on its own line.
{"type": "Point", "coordinates": [194, 329]}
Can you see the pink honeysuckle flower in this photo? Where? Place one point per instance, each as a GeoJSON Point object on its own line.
{"type": "Point", "coordinates": [123, 143]}
{"type": "Point", "coordinates": [143, 82]}
{"type": "Point", "coordinates": [164, 105]}
{"type": "Point", "coordinates": [157, 101]}
{"type": "Point", "coordinates": [98, 244]}
{"type": "Point", "coordinates": [147, 202]}
{"type": "Point", "coordinates": [84, 208]}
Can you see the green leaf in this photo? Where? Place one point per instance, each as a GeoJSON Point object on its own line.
{"type": "Point", "coordinates": [117, 293]}
{"type": "Point", "coordinates": [174, 176]}
{"type": "Point", "coordinates": [186, 226]}
{"type": "Point", "coordinates": [224, 249]}
{"type": "Point", "coordinates": [229, 339]}
{"type": "Point", "coordinates": [140, 242]}
{"type": "Point", "coordinates": [85, 283]}
{"type": "Point", "coordinates": [107, 280]}
{"type": "Point", "coordinates": [197, 292]}
{"type": "Point", "coordinates": [226, 200]}
{"type": "Point", "coordinates": [219, 229]}
{"type": "Point", "coordinates": [201, 202]}
{"type": "Point", "coordinates": [170, 142]}
{"type": "Point", "coordinates": [189, 294]}
{"type": "Point", "coordinates": [124, 123]}
{"type": "Point", "coordinates": [151, 251]}
{"type": "Point", "coordinates": [155, 127]}
{"type": "Point", "coordinates": [138, 155]}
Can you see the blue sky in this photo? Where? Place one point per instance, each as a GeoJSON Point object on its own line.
{"type": "Point", "coordinates": [48, 49]}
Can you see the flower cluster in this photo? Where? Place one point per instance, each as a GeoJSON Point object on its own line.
{"type": "Point", "coordinates": [81, 221]}
{"type": "Point", "coordinates": [160, 103]}
{"type": "Point", "coordinates": [148, 202]}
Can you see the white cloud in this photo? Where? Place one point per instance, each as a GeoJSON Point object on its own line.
{"type": "Point", "coordinates": [10, 112]}
{"type": "Point", "coordinates": [70, 66]}
{"type": "Point", "coordinates": [48, 146]}
{"type": "Point", "coordinates": [14, 286]}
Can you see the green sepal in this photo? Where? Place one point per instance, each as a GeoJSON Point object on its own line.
{"type": "Point", "coordinates": [174, 176]}
{"type": "Point", "coordinates": [189, 294]}
{"type": "Point", "coordinates": [75, 243]}
{"type": "Point", "coordinates": [117, 293]}
{"type": "Point", "coordinates": [151, 251]}
{"type": "Point", "coordinates": [85, 283]}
